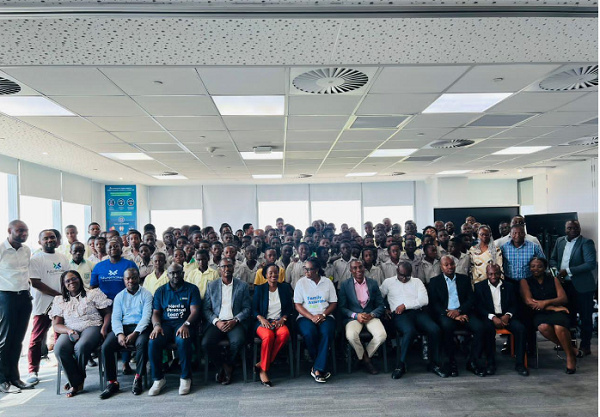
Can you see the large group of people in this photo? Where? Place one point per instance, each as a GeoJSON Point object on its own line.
{"type": "Point", "coordinates": [198, 287]}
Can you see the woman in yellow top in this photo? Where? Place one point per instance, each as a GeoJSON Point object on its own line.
{"type": "Point", "coordinates": [270, 258]}
{"type": "Point", "coordinates": [483, 253]}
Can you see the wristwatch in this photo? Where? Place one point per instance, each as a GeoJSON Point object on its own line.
{"type": "Point", "coordinates": [187, 323]}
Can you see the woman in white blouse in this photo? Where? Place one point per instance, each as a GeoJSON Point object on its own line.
{"type": "Point", "coordinates": [272, 307]}
{"type": "Point", "coordinates": [82, 318]}
{"type": "Point", "coordinates": [483, 253]}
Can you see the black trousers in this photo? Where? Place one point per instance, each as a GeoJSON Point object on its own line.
{"type": "Point", "coordinates": [111, 345]}
{"type": "Point", "coordinates": [15, 310]}
{"type": "Point", "coordinates": [519, 333]}
{"type": "Point", "coordinates": [582, 303]}
{"type": "Point", "coordinates": [412, 322]}
{"type": "Point", "coordinates": [212, 337]}
{"type": "Point", "coordinates": [448, 326]}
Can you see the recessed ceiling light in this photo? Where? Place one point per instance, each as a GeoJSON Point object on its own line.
{"type": "Point", "coordinates": [382, 153]}
{"type": "Point", "coordinates": [260, 155]}
{"type": "Point", "coordinates": [454, 172]}
{"type": "Point", "coordinates": [125, 156]}
{"type": "Point", "coordinates": [120, 178]}
{"type": "Point", "coordinates": [32, 106]}
{"type": "Point", "coordinates": [44, 153]}
{"type": "Point", "coordinates": [170, 177]}
{"type": "Point", "coordinates": [465, 103]}
{"type": "Point", "coordinates": [520, 150]}
{"type": "Point", "coordinates": [266, 176]}
{"type": "Point", "coordinates": [361, 174]}
{"type": "Point", "coordinates": [250, 105]}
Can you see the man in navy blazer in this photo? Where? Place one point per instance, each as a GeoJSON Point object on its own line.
{"type": "Point", "coordinates": [226, 308]}
{"type": "Point", "coordinates": [452, 305]}
{"type": "Point", "coordinates": [575, 258]}
{"type": "Point", "coordinates": [361, 304]}
{"type": "Point", "coordinates": [496, 302]}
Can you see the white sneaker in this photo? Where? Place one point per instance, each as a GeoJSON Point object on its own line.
{"type": "Point", "coordinates": [33, 378]}
{"type": "Point", "coordinates": [184, 386]}
{"type": "Point", "coordinates": [156, 387]}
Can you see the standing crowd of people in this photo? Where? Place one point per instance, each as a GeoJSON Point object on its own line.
{"type": "Point", "coordinates": [136, 294]}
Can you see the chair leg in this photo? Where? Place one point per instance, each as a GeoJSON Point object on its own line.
{"type": "Point", "coordinates": [512, 345]}
{"type": "Point", "coordinates": [385, 359]}
{"type": "Point", "coordinates": [205, 368]}
{"type": "Point", "coordinates": [333, 357]}
{"type": "Point", "coordinates": [58, 378]}
{"type": "Point", "coordinates": [254, 359]}
{"type": "Point", "coordinates": [298, 347]}
{"type": "Point", "coordinates": [291, 358]}
{"type": "Point", "coordinates": [349, 358]}
{"type": "Point", "coordinates": [244, 367]}
{"type": "Point", "coordinates": [101, 368]}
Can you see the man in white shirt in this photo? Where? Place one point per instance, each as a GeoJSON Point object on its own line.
{"type": "Point", "coordinates": [44, 271]}
{"type": "Point", "coordinates": [15, 305]}
{"type": "Point", "coordinates": [79, 264]}
{"type": "Point", "coordinates": [70, 237]}
{"type": "Point", "coordinates": [407, 297]}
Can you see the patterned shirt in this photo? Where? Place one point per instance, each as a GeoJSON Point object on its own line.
{"type": "Point", "coordinates": [80, 313]}
{"type": "Point", "coordinates": [516, 260]}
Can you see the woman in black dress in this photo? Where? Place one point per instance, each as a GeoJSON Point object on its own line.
{"type": "Point", "coordinates": [545, 296]}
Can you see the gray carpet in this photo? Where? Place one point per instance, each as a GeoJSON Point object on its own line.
{"type": "Point", "coordinates": [548, 391]}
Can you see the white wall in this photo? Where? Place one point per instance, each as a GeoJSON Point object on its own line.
{"type": "Point", "coordinates": [98, 205]}
{"type": "Point", "coordinates": [143, 208]}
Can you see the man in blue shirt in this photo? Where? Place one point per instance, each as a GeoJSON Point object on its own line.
{"type": "Point", "coordinates": [108, 275]}
{"type": "Point", "coordinates": [517, 253]}
{"type": "Point", "coordinates": [132, 309]}
{"type": "Point", "coordinates": [176, 309]}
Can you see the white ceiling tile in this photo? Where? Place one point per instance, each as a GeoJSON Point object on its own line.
{"type": "Point", "coordinates": [69, 81]}
{"type": "Point", "coordinates": [61, 124]}
{"type": "Point", "coordinates": [170, 157]}
{"type": "Point", "coordinates": [254, 122]}
{"type": "Point", "coordinates": [525, 132]}
{"type": "Point", "coordinates": [249, 145]}
{"type": "Point", "coordinates": [350, 146]}
{"type": "Point", "coordinates": [480, 79]}
{"type": "Point", "coordinates": [574, 132]}
{"type": "Point", "coordinates": [316, 122]}
{"type": "Point", "coordinates": [100, 105]}
{"type": "Point", "coordinates": [243, 81]}
{"type": "Point", "coordinates": [405, 144]}
{"type": "Point", "coordinates": [560, 119]}
{"type": "Point", "coordinates": [365, 135]}
{"type": "Point", "coordinates": [424, 121]}
{"type": "Point", "coordinates": [312, 135]}
{"type": "Point", "coordinates": [545, 141]}
{"type": "Point", "coordinates": [202, 147]}
{"type": "Point", "coordinates": [94, 137]}
{"type": "Point", "coordinates": [473, 133]}
{"type": "Point", "coordinates": [322, 105]}
{"type": "Point", "coordinates": [110, 147]}
{"type": "Point", "coordinates": [307, 146]}
{"type": "Point", "coordinates": [159, 147]}
{"type": "Point", "coordinates": [498, 143]}
{"type": "Point", "coordinates": [421, 134]}
{"type": "Point", "coordinates": [429, 79]}
{"type": "Point", "coordinates": [144, 137]}
{"type": "Point", "coordinates": [143, 80]}
{"type": "Point", "coordinates": [191, 123]}
{"type": "Point", "coordinates": [194, 136]}
{"type": "Point", "coordinates": [178, 105]}
{"type": "Point", "coordinates": [588, 102]}
{"type": "Point", "coordinates": [125, 124]}
{"type": "Point", "coordinates": [257, 135]}
{"type": "Point", "coordinates": [361, 153]}
{"type": "Point", "coordinates": [147, 166]}
{"type": "Point", "coordinates": [395, 103]}
{"type": "Point", "coordinates": [534, 102]}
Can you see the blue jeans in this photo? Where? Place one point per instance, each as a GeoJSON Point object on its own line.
{"type": "Point", "coordinates": [317, 339]}
{"type": "Point", "coordinates": [184, 350]}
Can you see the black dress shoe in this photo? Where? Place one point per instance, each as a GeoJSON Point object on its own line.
{"type": "Point", "coordinates": [571, 371]}
{"type": "Point", "coordinates": [490, 370]}
{"type": "Point", "coordinates": [439, 371]}
{"type": "Point", "coordinates": [111, 389]}
{"type": "Point", "coordinates": [6, 388]}
{"type": "Point", "coordinates": [266, 384]}
{"type": "Point", "coordinates": [399, 371]}
{"type": "Point", "coordinates": [453, 369]}
{"type": "Point", "coordinates": [472, 366]}
{"type": "Point", "coordinates": [137, 389]}
{"type": "Point", "coordinates": [22, 385]}
{"type": "Point", "coordinates": [521, 370]}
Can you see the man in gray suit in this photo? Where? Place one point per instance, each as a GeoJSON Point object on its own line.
{"type": "Point", "coordinates": [361, 305]}
{"type": "Point", "coordinates": [226, 308]}
{"type": "Point", "coordinates": [575, 258]}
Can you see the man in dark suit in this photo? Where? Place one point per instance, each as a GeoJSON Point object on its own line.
{"type": "Point", "coordinates": [226, 306]}
{"type": "Point", "coordinates": [575, 258]}
{"type": "Point", "coordinates": [361, 305]}
{"type": "Point", "coordinates": [451, 303]}
{"type": "Point", "coordinates": [496, 302]}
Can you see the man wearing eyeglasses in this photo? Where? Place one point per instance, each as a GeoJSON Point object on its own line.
{"type": "Point", "coordinates": [226, 306]}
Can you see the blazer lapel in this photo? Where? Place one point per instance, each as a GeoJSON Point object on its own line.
{"type": "Point", "coordinates": [218, 299]}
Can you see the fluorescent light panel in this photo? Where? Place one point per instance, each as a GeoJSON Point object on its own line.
{"type": "Point", "coordinates": [170, 177]}
{"type": "Point", "coordinates": [361, 174]}
{"type": "Point", "coordinates": [266, 176]}
{"type": "Point", "coordinates": [465, 103]}
{"type": "Point", "coordinates": [454, 172]}
{"type": "Point", "coordinates": [382, 153]}
{"type": "Point", "coordinates": [132, 156]}
{"type": "Point", "coordinates": [259, 155]}
{"type": "Point", "coordinates": [521, 150]}
{"type": "Point", "coordinates": [31, 106]}
{"type": "Point", "coordinates": [250, 105]}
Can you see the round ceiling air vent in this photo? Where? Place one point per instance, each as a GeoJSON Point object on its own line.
{"type": "Point", "coordinates": [574, 79]}
{"type": "Point", "coordinates": [304, 175]}
{"type": "Point", "coordinates": [330, 81]}
{"type": "Point", "coordinates": [452, 143]}
{"type": "Point", "coordinates": [8, 87]}
{"type": "Point", "coordinates": [586, 141]}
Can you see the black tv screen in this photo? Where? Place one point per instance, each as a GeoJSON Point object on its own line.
{"type": "Point", "coordinates": [553, 223]}
{"type": "Point", "coordinates": [492, 216]}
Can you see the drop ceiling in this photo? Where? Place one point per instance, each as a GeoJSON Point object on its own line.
{"type": "Point", "coordinates": [147, 85]}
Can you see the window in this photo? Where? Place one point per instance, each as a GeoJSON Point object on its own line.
{"type": "Point", "coordinates": [163, 219]}
{"type": "Point", "coordinates": [37, 213]}
{"type": "Point", "coordinates": [338, 212]}
{"type": "Point", "coordinates": [525, 192]}
{"type": "Point", "coordinates": [293, 212]}
{"type": "Point", "coordinates": [75, 214]}
{"type": "Point", "coordinates": [4, 207]}
{"type": "Point", "coordinates": [397, 214]}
